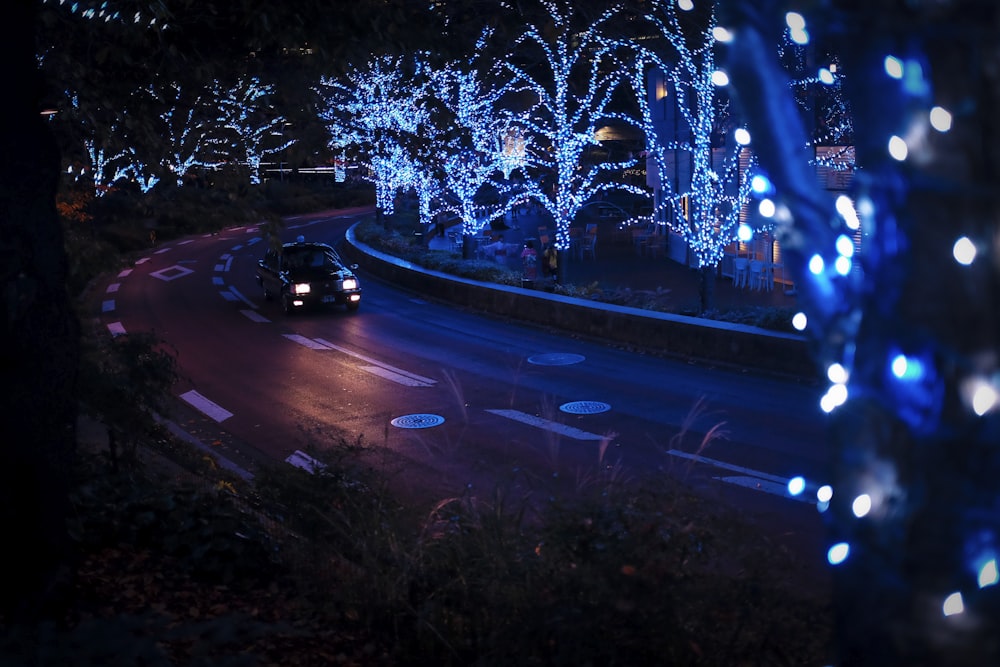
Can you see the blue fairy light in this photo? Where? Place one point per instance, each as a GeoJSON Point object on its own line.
{"type": "Point", "coordinates": [953, 604]}
{"type": "Point", "coordinates": [760, 184]}
{"type": "Point", "coordinates": [898, 149]}
{"type": "Point", "coordinates": [800, 321]}
{"type": "Point", "coordinates": [988, 574]}
{"type": "Point", "coordinates": [894, 67]}
{"type": "Point", "coordinates": [845, 207]}
{"type": "Point", "coordinates": [720, 78]}
{"type": "Point", "coordinates": [816, 265]}
{"type": "Point", "coordinates": [842, 265]}
{"type": "Point", "coordinates": [862, 505]}
{"type": "Point", "coordinates": [845, 246]}
{"type": "Point", "coordinates": [744, 232]}
{"type": "Point", "coordinates": [838, 553]}
{"type": "Point", "coordinates": [906, 368]}
{"type": "Point", "coordinates": [836, 373]}
{"type": "Point", "coordinates": [796, 485]}
{"type": "Point", "coordinates": [722, 35]}
{"type": "Point", "coordinates": [964, 251]}
{"type": "Point", "coordinates": [940, 119]}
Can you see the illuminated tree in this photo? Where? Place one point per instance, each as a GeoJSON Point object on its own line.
{"type": "Point", "coordinates": [907, 329]}
{"type": "Point", "coordinates": [703, 165]}
{"type": "Point", "coordinates": [252, 122]}
{"type": "Point", "coordinates": [380, 109]}
{"type": "Point", "coordinates": [105, 165]}
{"type": "Point", "coordinates": [189, 132]}
{"type": "Point", "coordinates": [570, 73]}
{"type": "Point", "coordinates": [468, 146]}
{"type": "Point", "coordinates": [817, 81]}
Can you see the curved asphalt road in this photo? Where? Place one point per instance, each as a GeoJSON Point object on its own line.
{"type": "Point", "coordinates": [454, 400]}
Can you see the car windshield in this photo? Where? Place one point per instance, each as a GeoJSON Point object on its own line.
{"type": "Point", "coordinates": [312, 257]}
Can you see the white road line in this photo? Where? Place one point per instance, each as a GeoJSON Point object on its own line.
{"type": "Point", "coordinates": [748, 477]}
{"type": "Point", "coordinates": [377, 367]}
{"type": "Point", "coordinates": [306, 342]}
{"type": "Point", "coordinates": [116, 328]}
{"type": "Point", "coordinates": [161, 251]}
{"type": "Point", "coordinates": [217, 280]}
{"type": "Point", "coordinates": [124, 273]}
{"type": "Point", "coordinates": [728, 466]}
{"type": "Point", "coordinates": [300, 459]}
{"type": "Point", "coordinates": [228, 296]}
{"type": "Point", "coordinates": [108, 306]}
{"type": "Point", "coordinates": [757, 484]}
{"type": "Point", "coordinates": [398, 378]}
{"type": "Point", "coordinates": [112, 288]}
{"type": "Point", "coordinates": [548, 425]}
{"type": "Point", "coordinates": [142, 260]}
{"type": "Point", "coordinates": [185, 242]}
{"type": "Point", "coordinates": [239, 295]}
{"type": "Point", "coordinates": [425, 381]}
{"type": "Point", "coordinates": [206, 406]}
{"type": "Point", "coordinates": [254, 316]}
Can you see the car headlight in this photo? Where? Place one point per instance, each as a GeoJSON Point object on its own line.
{"type": "Point", "coordinates": [300, 288]}
{"type": "Point", "coordinates": [350, 283]}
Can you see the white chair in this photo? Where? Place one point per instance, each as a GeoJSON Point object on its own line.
{"type": "Point", "coordinates": [756, 273]}
{"type": "Point", "coordinates": [741, 268]}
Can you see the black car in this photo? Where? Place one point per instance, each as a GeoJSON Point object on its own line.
{"type": "Point", "coordinates": [304, 275]}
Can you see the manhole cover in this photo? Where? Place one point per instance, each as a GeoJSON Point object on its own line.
{"type": "Point", "coordinates": [417, 421]}
{"type": "Point", "coordinates": [584, 407]}
{"type": "Point", "coordinates": [555, 359]}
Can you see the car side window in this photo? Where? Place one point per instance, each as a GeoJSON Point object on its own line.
{"type": "Point", "coordinates": [271, 259]}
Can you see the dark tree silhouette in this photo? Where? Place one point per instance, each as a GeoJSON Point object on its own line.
{"type": "Point", "coordinates": [39, 346]}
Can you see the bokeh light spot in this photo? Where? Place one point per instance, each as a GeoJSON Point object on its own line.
{"type": "Point", "coordinates": [988, 575]}
{"type": "Point", "coordinates": [964, 251]}
{"type": "Point", "coordinates": [894, 67]}
{"type": "Point", "coordinates": [862, 505]}
{"type": "Point", "coordinates": [953, 604]}
{"type": "Point", "coordinates": [796, 485]}
{"type": "Point", "coordinates": [838, 553]}
{"type": "Point", "coordinates": [897, 148]}
{"type": "Point", "coordinates": [940, 119]}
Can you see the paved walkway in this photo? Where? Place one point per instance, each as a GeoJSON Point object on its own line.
{"type": "Point", "coordinates": [617, 265]}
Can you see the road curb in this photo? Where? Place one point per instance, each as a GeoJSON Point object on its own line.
{"type": "Point", "coordinates": [691, 339]}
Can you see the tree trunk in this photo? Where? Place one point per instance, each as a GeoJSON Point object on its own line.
{"type": "Point", "coordinates": [40, 344]}
{"type": "Point", "coordinates": [706, 288]}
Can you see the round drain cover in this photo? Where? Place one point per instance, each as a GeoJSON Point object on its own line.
{"type": "Point", "coordinates": [584, 407]}
{"type": "Point", "coordinates": [417, 421]}
{"type": "Point", "coordinates": [556, 359]}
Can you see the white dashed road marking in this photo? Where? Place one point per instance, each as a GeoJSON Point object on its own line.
{"type": "Point", "coordinates": [206, 406]}
{"type": "Point", "coordinates": [748, 477]}
{"type": "Point", "coordinates": [548, 425]}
